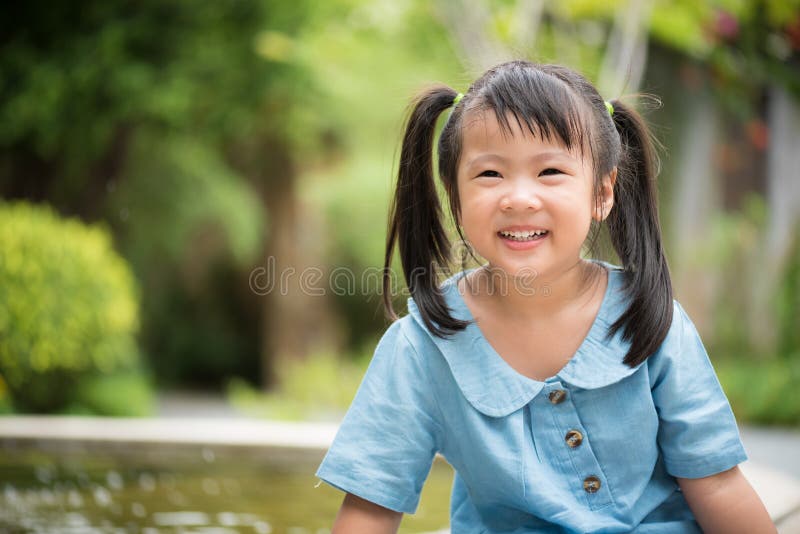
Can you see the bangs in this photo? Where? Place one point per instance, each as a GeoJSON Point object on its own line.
{"type": "Point", "coordinates": [540, 103]}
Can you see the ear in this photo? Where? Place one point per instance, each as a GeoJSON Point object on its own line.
{"type": "Point", "coordinates": [605, 202]}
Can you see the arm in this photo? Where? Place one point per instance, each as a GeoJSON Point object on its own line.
{"type": "Point", "coordinates": [359, 516]}
{"type": "Point", "coordinates": [726, 503]}
{"type": "Point", "coordinates": [386, 443]}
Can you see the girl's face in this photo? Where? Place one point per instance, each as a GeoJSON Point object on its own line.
{"type": "Point", "coordinates": [525, 185]}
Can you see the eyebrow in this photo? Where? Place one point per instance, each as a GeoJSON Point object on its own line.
{"type": "Point", "coordinates": [541, 155]}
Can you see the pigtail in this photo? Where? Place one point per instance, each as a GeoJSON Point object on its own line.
{"type": "Point", "coordinates": [415, 217]}
{"type": "Point", "coordinates": [636, 235]}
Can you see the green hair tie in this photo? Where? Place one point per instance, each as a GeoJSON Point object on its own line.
{"type": "Point", "coordinates": [609, 107]}
{"type": "Point", "coordinates": [457, 99]}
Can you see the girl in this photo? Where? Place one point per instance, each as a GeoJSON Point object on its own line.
{"type": "Point", "coordinates": [569, 395]}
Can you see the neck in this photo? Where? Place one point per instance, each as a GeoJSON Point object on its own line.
{"type": "Point", "coordinates": [539, 298]}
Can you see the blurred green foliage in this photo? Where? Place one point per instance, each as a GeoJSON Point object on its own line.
{"type": "Point", "coordinates": [745, 44]}
{"type": "Point", "coordinates": [5, 397]}
{"type": "Point", "coordinates": [192, 224]}
{"type": "Point", "coordinates": [318, 388]}
{"type": "Point", "coordinates": [75, 76]}
{"type": "Point", "coordinates": [737, 241]}
{"type": "Point", "coordinates": [734, 244]}
{"type": "Point", "coordinates": [760, 383]}
{"type": "Point", "coordinates": [762, 391]}
{"type": "Point", "coordinates": [126, 393]}
{"type": "Point", "coordinates": [178, 123]}
{"type": "Point", "coordinates": [68, 306]}
{"type": "Point", "coordinates": [788, 306]}
{"type": "Point", "coordinates": [174, 122]}
{"type": "Point", "coordinates": [177, 189]}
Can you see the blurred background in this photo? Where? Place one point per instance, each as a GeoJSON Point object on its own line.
{"type": "Point", "coordinates": [190, 191]}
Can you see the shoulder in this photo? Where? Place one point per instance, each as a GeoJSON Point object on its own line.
{"type": "Point", "coordinates": [404, 333]}
{"type": "Point", "coordinates": [408, 348]}
{"type": "Point", "coordinates": [406, 343]}
{"type": "Point", "coordinates": [398, 372]}
{"type": "Point", "coordinates": [682, 348]}
{"type": "Point", "coordinates": [682, 331]}
{"type": "Point", "coordinates": [680, 327]}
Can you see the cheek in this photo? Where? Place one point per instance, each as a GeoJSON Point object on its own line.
{"type": "Point", "coordinates": [573, 212]}
{"type": "Point", "coordinates": [475, 205]}
{"type": "Point", "coordinates": [476, 218]}
{"type": "Point", "coordinates": [470, 222]}
{"type": "Point", "coordinates": [574, 202]}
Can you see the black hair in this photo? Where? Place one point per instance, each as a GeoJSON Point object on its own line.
{"type": "Point", "coordinates": [553, 102]}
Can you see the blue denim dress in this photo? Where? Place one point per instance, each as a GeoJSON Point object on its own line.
{"type": "Point", "coordinates": [595, 448]}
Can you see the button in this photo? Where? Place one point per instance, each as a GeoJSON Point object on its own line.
{"type": "Point", "coordinates": [591, 484]}
{"type": "Point", "coordinates": [573, 438]}
{"type": "Point", "coordinates": [557, 396]}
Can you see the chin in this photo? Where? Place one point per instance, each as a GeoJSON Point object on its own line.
{"type": "Point", "coordinates": [519, 271]}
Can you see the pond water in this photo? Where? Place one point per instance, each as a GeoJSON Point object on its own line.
{"type": "Point", "coordinates": [50, 487]}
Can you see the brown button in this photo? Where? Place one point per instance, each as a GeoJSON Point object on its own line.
{"type": "Point", "coordinates": [557, 396]}
{"type": "Point", "coordinates": [573, 438]}
{"type": "Point", "coordinates": [591, 484]}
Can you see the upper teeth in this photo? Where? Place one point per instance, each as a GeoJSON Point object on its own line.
{"type": "Point", "coordinates": [523, 234]}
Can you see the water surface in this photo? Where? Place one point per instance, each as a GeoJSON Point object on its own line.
{"type": "Point", "coordinates": [110, 488]}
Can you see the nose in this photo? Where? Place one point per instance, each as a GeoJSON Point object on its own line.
{"type": "Point", "coordinates": [521, 195]}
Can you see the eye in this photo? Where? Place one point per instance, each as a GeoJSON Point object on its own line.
{"type": "Point", "coordinates": [554, 171]}
{"type": "Point", "coordinates": [490, 174]}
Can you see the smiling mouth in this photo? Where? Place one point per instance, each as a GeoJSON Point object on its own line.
{"type": "Point", "coordinates": [523, 236]}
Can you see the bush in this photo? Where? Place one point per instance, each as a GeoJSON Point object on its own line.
{"type": "Point", "coordinates": [68, 306]}
{"type": "Point", "coordinates": [128, 393]}
{"type": "Point", "coordinates": [5, 400]}
{"type": "Point", "coordinates": [318, 388]}
{"type": "Point", "coordinates": [762, 392]}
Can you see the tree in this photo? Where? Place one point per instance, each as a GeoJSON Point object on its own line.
{"type": "Point", "coordinates": [167, 119]}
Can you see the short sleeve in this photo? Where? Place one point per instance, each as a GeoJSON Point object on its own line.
{"type": "Point", "coordinates": [386, 443]}
{"type": "Point", "coordinates": [697, 435]}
